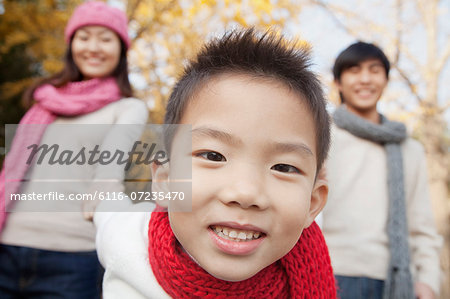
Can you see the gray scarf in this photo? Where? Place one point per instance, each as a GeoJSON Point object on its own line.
{"type": "Point", "coordinates": [398, 284]}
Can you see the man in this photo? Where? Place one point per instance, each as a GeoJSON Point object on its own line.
{"type": "Point", "coordinates": [378, 221]}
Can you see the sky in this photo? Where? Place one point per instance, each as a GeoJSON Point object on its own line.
{"type": "Point", "coordinates": [328, 39]}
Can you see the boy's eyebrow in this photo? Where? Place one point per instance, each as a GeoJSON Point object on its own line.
{"type": "Point", "coordinates": [284, 147]}
{"type": "Point", "coordinates": [217, 134]}
{"type": "Point", "coordinates": [293, 147]}
{"type": "Point", "coordinates": [376, 64]}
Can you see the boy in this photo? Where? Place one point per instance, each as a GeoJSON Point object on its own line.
{"type": "Point", "coordinates": [260, 134]}
{"type": "Point", "coordinates": [378, 221]}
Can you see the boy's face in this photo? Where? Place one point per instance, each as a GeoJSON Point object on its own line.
{"type": "Point", "coordinates": [253, 170]}
{"type": "Point", "coordinates": [362, 85]}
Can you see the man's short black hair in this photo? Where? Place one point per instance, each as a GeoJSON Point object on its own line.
{"type": "Point", "coordinates": [266, 56]}
{"type": "Point", "coordinates": [357, 53]}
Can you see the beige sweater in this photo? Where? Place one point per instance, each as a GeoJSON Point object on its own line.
{"type": "Point", "coordinates": [355, 217]}
{"type": "Point", "coordinates": [69, 231]}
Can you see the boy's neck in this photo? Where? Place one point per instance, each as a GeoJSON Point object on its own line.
{"type": "Point", "coordinates": [371, 115]}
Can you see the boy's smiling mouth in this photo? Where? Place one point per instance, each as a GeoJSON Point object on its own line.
{"type": "Point", "coordinates": [235, 239]}
{"type": "Point", "coordinates": [237, 235]}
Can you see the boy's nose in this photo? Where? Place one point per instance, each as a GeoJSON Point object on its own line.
{"type": "Point", "coordinates": [365, 76]}
{"type": "Point", "coordinates": [246, 191]}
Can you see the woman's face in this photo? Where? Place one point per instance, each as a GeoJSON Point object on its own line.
{"type": "Point", "coordinates": [95, 51]}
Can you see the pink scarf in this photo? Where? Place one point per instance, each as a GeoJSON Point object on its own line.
{"type": "Point", "coordinates": [73, 99]}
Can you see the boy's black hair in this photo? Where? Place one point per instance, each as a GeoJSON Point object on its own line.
{"type": "Point", "coordinates": [357, 53]}
{"type": "Point", "coordinates": [261, 55]}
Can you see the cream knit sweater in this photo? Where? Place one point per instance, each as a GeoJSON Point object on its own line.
{"type": "Point", "coordinates": [355, 216]}
{"type": "Point", "coordinates": [69, 231]}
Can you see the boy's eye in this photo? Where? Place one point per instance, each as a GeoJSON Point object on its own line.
{"type": "Point", "coordinates": [354, 69]}
{"type": "Point", "coordinates": [376, 69]}
{"type": "Point", "coordinates": [212, 156]}
{"type": "Point", "coordinates": [285, 168]}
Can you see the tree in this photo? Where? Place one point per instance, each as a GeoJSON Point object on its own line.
{"type": "Point", "coordinates": [164, 34]}
{"type": "Point", "coordinates": [37, 28]}
{"type": "Point", "coordinates": [417, 40]}
{"type": "Point", "coordinates": [168, 32]}
{"type": "Point", "coordinates": [31, 45]}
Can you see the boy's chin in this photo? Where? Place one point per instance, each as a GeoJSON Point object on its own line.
{"type": "Point", "coordinates": [222, 273]}
{"type": "Point", "coordinates": [232, 277]}
{"type": "Point", "coordinates": [233, 272]}
{"type": "Point", "coordinates": [228, 272]}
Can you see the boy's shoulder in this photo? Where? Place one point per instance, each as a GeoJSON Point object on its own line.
{"type": "Point", "coordinates": [122, 248]}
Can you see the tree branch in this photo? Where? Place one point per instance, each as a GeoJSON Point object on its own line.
{"type": "Point", "coordinates": [157, 13]}
{"type": "Point", "coordinates": [335, 10]}
{"type": "Point", "coordinates": [444, 107]}
{"type": "Point", "coordinates": [133, 10]}
{"type": "Point", "coordinates": [411, 85]}
{"type": "Point", "coordinates": [334, 16]}
{"type": "Point", "coordinates": [398, 37]}
{"type": "Point", "coordinates": [411, 57]}
{"type": "Point", "coordinates": [444, 58]}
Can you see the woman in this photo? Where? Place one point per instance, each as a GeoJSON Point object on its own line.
{"type": "Point", "coordinates": [52, 254]}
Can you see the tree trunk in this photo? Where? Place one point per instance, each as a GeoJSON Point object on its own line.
{"type": "Point", "coordinates": [433, 130]}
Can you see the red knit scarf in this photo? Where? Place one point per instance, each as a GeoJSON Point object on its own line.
{"type": "Point", "coordinates": [305, 272]}
{"type": "Point", "coordinates": [73, 99]}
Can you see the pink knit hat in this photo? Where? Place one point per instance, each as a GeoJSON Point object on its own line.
{"type": "Point", "coordinates": [98, 13]}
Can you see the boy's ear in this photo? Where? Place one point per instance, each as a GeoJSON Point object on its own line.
{"type": "Point", "coordinates": [319, 196]}
{"type": "Point", "coordinates": [337, 83]}
{"type": "Point", "coordinates": [160, 181]}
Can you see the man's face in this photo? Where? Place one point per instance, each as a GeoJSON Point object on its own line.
{"type": "Point", "coordinates": [253, 169]}
{"type": "Point", "coordinates": [362, 85]}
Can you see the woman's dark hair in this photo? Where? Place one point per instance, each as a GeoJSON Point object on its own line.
{"type": "Point", "coordinates": [71, 73]}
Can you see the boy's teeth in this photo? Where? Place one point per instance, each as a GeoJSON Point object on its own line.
{"type": "Point", "coordinates": [234, 234]}
{"type": "Point", "coordinates": [242, 236]}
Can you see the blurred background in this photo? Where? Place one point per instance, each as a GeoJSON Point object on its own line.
{"type": "Point", "coordinates": [415, 34]}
